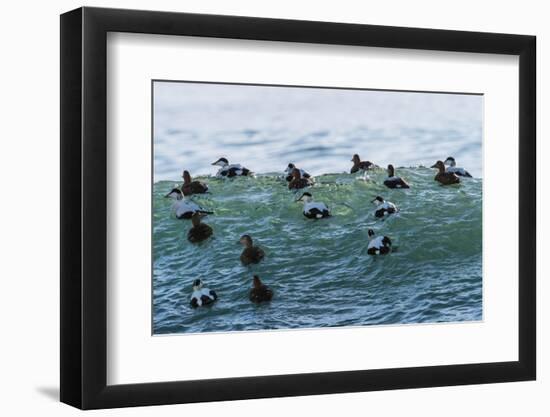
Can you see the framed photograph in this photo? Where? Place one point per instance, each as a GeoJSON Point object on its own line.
{"type": "Point", "coordinates": [259, 208]}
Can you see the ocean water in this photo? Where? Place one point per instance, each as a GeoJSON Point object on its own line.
{"type": "Point", "coordinates": [265, 128]}
{"type": "Point", "coordinates": [319, 270]}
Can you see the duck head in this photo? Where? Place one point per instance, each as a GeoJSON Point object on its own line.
{"type": "Point", "coordinates": [355, 159]}
{"type": "Point", "coordinates": [450, 161]}
{"type": "Point", "coordinates": [256, 282]}
{"type": "Point", "coordinates": [377, 200]}
{"type": "Point", "coordinates": [197, 285]}
{"type": "Point", "coordinates": [186, 177]}
{"type": "Point", "coordinates": [176, 194]}
{"type": "Point", "coordinates": [196, 219]}
{"type": "Point", "coordinates": [222, 162]}
{"type": "Point", "coordinates": [306, 198]}
{"type": "Point", "coordinates": [290, 168]}
{"type": "Point", "coordinates": [439, 165]}
{"type": "Point", "coordinates": [246, 241]}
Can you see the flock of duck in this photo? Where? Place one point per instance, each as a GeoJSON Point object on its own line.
{"type": "Point", "coordinates": [297, 179]}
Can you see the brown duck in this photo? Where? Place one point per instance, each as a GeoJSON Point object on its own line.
{"type": "Point", "coordinates": [444, 177]}
{"type": "Point", "coordinates": [360, 165]}
{"type": "Point", "coordinates": [251, 254]}
{"type": "Point", "coordinates": [394, 182]}
{"type": "Point", "coordinates": [298, 181]}
{"type": "Point", "coordinates": [199, 231]}
{"type": "Point", "coordinates": [260, 292]}
{"type": "Point", "coordinates": [192, 187]}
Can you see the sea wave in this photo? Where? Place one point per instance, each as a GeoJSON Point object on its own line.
{"type": "Point", "coordinates": [319, 270]}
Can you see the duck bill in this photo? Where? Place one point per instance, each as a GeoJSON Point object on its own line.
{"type": "Point", "coordinates": [434, 166]}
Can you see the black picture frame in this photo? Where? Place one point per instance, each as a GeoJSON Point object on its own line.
{"type": "Point", "coordinates": [84, 207]}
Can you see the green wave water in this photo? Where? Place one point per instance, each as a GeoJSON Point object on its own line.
{"type": "Point", "coordinates": [319, 270]}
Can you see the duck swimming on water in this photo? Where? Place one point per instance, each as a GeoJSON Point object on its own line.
{"type": "Point", "coordinates": [394, 182]}
{"type": "Point", "coordinates": [251, 254]}
{"type": "Point", "coordinates": [384, 207]}
{"type": "Point", "coordinates": [230, 171]}
{"type": "Point", "coordinates": [259, 292]}
{"type": "Point", "coordinates": [314, 209]}
{"type": "Point", "coordinates": [359, 165]}
{"type": "Point", "coordinates": [444, 177]}
{"type": "Point", "coordinates": [450, 163]}
{"type": "Point", "coordinates": [192, 187]}
{"type": "Point", "coordinates": [184, 207]}
{"type": "Point", "coordinates": [290, 168]}
{"type": "Point", "coordinates": [378, 245]}
{"type": "Point", "coordinates": [199, 231]}
{"type": "Point", "coordinates": [297, 181]}
{"type": "Point", "coordinates": [202, 296]}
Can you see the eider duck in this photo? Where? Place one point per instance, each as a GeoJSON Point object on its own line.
{"type": "Point", "coordinates": [202, 296]}
{"type": "Point", "coordinates": [290, 168]}
{"type": "Point", "coordinates": [184, 207]}
{"type": "Point", "coordinates": [251, 254]}
{"type": "Point", "coordinates": [199, 231]}
{"type": "Point", "coordinates": [298, 182]}
{"type": "Point", "coordinates": [384, 207]}
{"type": "Point", "coordinates": [314, 209]}
{"type": "Point", "coordinates": [259, 292]}
{"type": "Point", "coordinates": [394, 182]}
{"type": "Point", "coordinates": [229, 171]}
{"type": "Point", "coordinates": [451, 167]}
{"type": "Point", "coordinates": [192, 187]}
{"type": "Point", "coordinates": [443, 177]}
{"type": "Point", "coordinates": [379, 245]}
{"type": "Point", "coordinates": [359, 165]}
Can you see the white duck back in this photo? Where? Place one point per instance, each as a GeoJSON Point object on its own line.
{"type": "Point", "coordinates": [181, 207]}
{"type": "Point", "coordinates": [376, 242]}
{"type": "Point", "coordinates": [315, 205]}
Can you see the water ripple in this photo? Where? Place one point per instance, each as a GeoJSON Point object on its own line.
{"type": "Point", "coordinates": [319, 270]}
